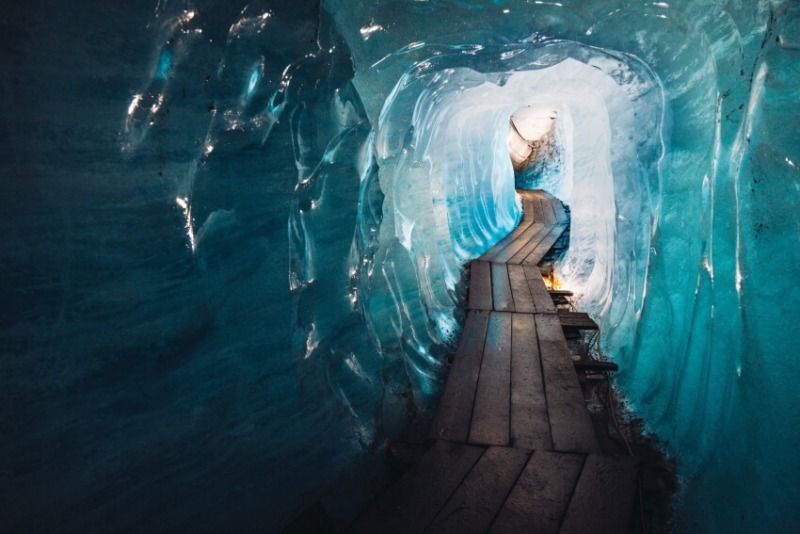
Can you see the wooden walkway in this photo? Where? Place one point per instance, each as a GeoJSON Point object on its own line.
{"type": "Point", "coordinates": [515, 449]}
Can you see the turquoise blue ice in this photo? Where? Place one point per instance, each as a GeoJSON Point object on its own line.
{"type": "Point", "coordinates": [233, 239]}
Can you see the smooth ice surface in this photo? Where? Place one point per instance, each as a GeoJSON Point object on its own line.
{"type": "Point", "coordinates": [233, 236]}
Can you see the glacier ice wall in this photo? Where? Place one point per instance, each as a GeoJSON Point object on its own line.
{"type": "Point", "coordinates": [233, 234]}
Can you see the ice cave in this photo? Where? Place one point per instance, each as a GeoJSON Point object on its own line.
{"type": "Point", "coordinates": [234, 236]}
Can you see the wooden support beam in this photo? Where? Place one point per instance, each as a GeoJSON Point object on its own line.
{"type": "Point", "coordinates": [595, 365]}
{"type": "Point", "coordinates": [577, 320]}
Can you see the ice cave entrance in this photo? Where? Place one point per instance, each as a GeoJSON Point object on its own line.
{"type": "Point", "coordinates": [531, 135]}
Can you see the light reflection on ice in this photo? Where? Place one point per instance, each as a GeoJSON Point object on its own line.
{"type": "Point", "coordinates": [367, 31]}
{"type": "Point", "coordinates": [137, 98]}
{"type": "Point", "coordinates": [184, 204]}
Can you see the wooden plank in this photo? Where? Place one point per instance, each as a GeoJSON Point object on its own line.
{"type": "Point", "coordinates": [529, 427]}
{"type": "Point", "coordinates": [454, 412]}
{"type": "Point", "coordinates": [561, 213]}
{"type": "Point", "coordinates": [570, 426]}
{"type": "Point", "coordinates": [535, 234]}
{"type": "Point", "coordinates": [490, 416]}
{"type": "Point", "coordinates": [523, 300]}
{"type": "Point", "coordinates": [544, 245]}
{"type": "Point", "coordinates": [413, 502]}
{"type": "Point", "coordinates": [538, 211]}
{"type": "Point", "coordinates": [528, 195]}
{"type": "Point", "coordinates": [541, 297]}
{"type": "Point", "coordinates": [507, 240]}
{"type": "Point", "coordinates": [475, 503]}
{"type": "Point", "coordinates": [603, 497]}
{"type": "Point", "coordinates": [527, 207]}
{"type": "Point", "coordinates": [501, 288]}
{"type": "Point", "coordinates": [547, 208]}
{"type": "Point", "coordinates": [523, 248]}
{"type": "Point", "coordinates": [540, 497]}
{"type": "Point", "coordinates": [480, 286]}
{"type": "Point", "coordinates": [558, 209]}
{"type": "Point", "coordinates": [527, 198]}
{"type": "Point", "coordinates": [535, 254]}
{"type": "Point", "coordinates": [577, 320]}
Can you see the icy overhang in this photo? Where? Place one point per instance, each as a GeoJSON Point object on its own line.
{"type": "Point", "coordinates": [530, 129]}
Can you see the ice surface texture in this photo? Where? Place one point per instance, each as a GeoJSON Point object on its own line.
{"type": "Point", "coordinates": [234, 232]}
{"type": "Point", "coordinates": [441, 147]}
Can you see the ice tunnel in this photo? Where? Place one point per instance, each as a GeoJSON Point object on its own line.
{"type": "Point", "coordinates": [234, 235]}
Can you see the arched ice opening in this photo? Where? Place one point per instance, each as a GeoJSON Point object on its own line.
{"type": "Point", "coordinates": [442, 145]}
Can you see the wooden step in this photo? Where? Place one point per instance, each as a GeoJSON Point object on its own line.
{"type": "Point", "coordinates": [595, 366]}
{"type": "Point", "coordinates": [576, 320]}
